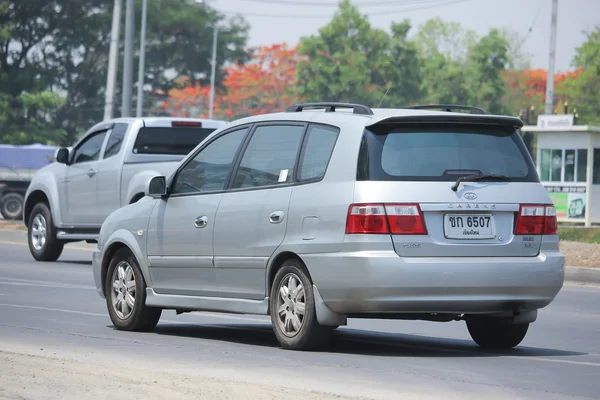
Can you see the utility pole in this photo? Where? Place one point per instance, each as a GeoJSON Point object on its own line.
{"type": "Point", "coordinates": [111, 76]}
{"type": "Point", "coordinates": [552, 60]}
{"type": "Point", "coordinates": [140, 90]}
{"type": "Point", "coordinates": [128, 62]}
{"type": "Point", "coordinates": [212, 72]}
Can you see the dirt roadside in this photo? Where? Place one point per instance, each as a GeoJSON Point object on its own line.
{"type": "Point", "coordinates": [577, 254]}
{"type": "Point", "coordinates": [33, 376]}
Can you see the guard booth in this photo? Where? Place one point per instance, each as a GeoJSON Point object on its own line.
{"type": "Point", "coordinates": [567, 158]}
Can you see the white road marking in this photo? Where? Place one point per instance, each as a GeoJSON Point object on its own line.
{"type": "Point", "coordinates": [27, 282]}
{"type": "Point", "coordinates": [66, 247]}
{"type": "Point", "coordinates": [431, 348]}
{"type": "Point", "coordinates": [54, 309]}
{"type": "Point", "coordinates": [213, 315]}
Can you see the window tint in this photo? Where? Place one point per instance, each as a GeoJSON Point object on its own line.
{"type": "Point", "coordinates": [115, 140]}
{"type": "Point", "coordinates": [596, 167]}
{"type": "Point", "coordinates": [270, 156]}
{"type": "Point", "coordinates": [178, 140]}
{"type": "Point", "coordinates": [89, 150]}
{"type": "Point", "coordinates": [582, 165]}
{"type": "Point", "coordinates": [319, 147]}
{"type": "Point", "coordinates": [566, 166]}
{"type": "Point", "coordinates": [420, 153]}
{"type": "Point", "coordinates": [209, 169]}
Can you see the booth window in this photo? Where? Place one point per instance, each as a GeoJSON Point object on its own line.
{"type": "Point", "coordinates": [564, 165]}
{"type": "Point", "coordinates": [596, 169]}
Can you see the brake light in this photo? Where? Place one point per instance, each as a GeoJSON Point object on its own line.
{"type": "Point", "coordinates": [397, 219]}
{"type": "Point", "coordinates": [366, 218]}
{"type": "Point", "coordinates": [186, 123]}
{"type": "Point", "coordinates": [551, 223]}
{"type": "Point", "coordinates": [405, 219]}
{"type": "Point", "coordinates": [536, 219]}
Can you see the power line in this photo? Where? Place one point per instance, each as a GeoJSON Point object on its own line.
{"type": "Point", "coordinates": [336, 4]}
{"type": "Point", "coordinates": [387, 12]}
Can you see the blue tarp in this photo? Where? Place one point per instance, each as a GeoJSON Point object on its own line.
{"type": "Point", "coordinates": [33, 156]}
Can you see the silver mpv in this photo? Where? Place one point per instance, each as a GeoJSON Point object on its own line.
{"type": "Point", "coordinates": [329, 211]}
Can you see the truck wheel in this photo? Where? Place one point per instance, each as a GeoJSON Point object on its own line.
{"type": "Point", "coordinates": [292, 309]}
{"type": "Point", "coordinates": [491, 334]}
{"type": "Point", "coordinates": [126, 295]}
{"type": "Point", "coordinates": [11, 206]}
{"type": "Point", "coordinates": [41, 234]}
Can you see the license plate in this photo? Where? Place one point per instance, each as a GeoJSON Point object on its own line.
{"type": "Point", "coordinates": [469, 226]}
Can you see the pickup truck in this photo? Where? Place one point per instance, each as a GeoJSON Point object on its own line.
{"type": "Point", "coordinates": [108, 168]}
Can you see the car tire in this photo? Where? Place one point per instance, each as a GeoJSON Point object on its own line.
{"type": "Point", "coordinates": [126, 295]}
{"type": "Point", "coordinates": [294, 330]}
{"type": "Point", "coordinates": [11, 206]}
{"type": "Point", "coordinates": [41, 235]}
{"type": "Point", "coordinates": [491, 334]}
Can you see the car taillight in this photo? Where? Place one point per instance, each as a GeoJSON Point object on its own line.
{"type": "Point", "coordinates": [366, 218]}
{"type": "Point", "coordinates": [551, 223]}
{"type": "Point", "coordinates": [536, 219]}
{"type": "Point", "coordinates": [397, 219]}
{"type": "Point", "coordinates": [405, 219]}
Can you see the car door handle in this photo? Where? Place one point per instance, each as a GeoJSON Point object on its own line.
{"type": "Point", "coordinates": [91, 172]}
{"type": "Point", "coordinates": [276, 217]}
{"type": "Point", "coordinates": [201, 222]}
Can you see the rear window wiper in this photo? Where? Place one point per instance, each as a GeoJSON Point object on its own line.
{"type": "Point", "coordinates": [480, 177]}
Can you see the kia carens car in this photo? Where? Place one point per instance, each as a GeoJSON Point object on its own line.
{"type": "Point", "coordinates": [330, 211]}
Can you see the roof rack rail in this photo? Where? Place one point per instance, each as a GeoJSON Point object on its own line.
{"type": "Point", "coordinates": [356, 108]}
{"type": "Point", "coordinates": [449, 108]}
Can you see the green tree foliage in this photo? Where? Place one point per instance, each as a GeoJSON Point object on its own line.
{"type": "Point", "coordinates": [582, 89]}
{"type": "Point", "coordinates": [54, 56]}
{"type": "Point", "coordinates": [486, 61]}
{"type": "Point", "coordinates": [442, 63]}
{"type": "Point", "coordinates": [351, 61]}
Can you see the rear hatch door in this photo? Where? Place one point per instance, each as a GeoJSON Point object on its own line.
{"type": "Point", "coordinates": [414, 167]}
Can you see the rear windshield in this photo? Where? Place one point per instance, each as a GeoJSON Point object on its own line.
{"type": "Point", "coordinates": [436, 153]}
{"type": "Point", "coordinates": [169, 140]}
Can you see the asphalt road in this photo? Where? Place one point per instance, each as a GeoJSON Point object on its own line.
{"type": "Point", "coordinates": [52, 310]}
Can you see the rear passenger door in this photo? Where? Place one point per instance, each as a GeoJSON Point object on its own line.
{"type": "Point", "coordinates": [252, 216]}
{"type": "Point", "coordinates": [108, 181]}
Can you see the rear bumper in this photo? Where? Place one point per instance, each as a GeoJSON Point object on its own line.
{"type": "Point", "coordinates": [375, 282]}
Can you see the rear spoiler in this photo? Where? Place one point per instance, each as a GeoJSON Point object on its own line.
{"type": "Point", "coordinates": [436, 118]}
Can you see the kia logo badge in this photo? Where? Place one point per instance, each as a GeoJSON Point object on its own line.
{"type": "Point", "coordinates": [470, 196]}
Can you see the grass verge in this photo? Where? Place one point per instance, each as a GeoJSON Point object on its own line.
{"type": "Point", "coordinates": [581, 235]}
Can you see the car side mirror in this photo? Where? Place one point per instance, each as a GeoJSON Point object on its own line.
{"type": "Point", "coordinates": [62, 156]}
{"type": "Point", "coordinates": [157, 187]}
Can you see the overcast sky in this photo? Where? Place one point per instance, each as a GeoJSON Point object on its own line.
{"type": "Point", "coordinates": [305, 17]}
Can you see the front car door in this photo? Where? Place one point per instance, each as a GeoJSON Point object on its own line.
{"type": "Point", "coordinates": [180, 232]}
{"type": "Point", "coordinates": [80, 200]}
{"type": "Point", "coordinates": [252, 216]}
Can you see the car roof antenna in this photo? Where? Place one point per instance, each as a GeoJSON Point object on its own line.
{"type": "Point", "coordinates": [389, 86]}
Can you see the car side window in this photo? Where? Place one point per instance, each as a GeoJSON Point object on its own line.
{"type": "Point", "coordinates": [209, 169]}
{"type": "Point", "coordinates": [320, 141]}
{"type": "Point", "coordinates": [270, 156]}
{"type": "Point", "coordinates": [115, 140]}
{"type": "Point", "coordinates": [89, 150]}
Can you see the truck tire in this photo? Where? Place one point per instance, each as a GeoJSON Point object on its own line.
{"type": "Point", "coordinates": [11, 205]}
{"type": "Point", "coordinates": [41, 235]}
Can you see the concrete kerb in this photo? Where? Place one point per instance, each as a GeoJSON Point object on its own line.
{"type": "Point", "coordinates": [578, 275]}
